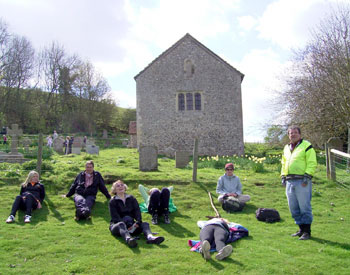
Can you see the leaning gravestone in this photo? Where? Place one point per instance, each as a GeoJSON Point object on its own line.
{"type": "Point", "coordinates": [148, 158]}
{"type": "Point", "coordinates": [58, 144]}
{"type": "Point", "coordinates": [182, 159]}
{"type": "Point", "coordinates": [77, 144]}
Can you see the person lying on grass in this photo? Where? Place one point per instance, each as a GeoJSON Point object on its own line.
{"type": "Point", "coordinates": [31, 197]}
{"type": "Point", "coordinates": [85, 188]}
{"type": "Point", "coordinates": [126, 220]}
{"type": "Point", "coordinates": [157, 202]}
{"type": "Point", "coordinates": [216, 235]}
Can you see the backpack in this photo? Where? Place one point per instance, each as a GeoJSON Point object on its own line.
{"type": "Point", "coordinates": [232, 204]}
{"type": "Point", "coordinates": [267, 215]}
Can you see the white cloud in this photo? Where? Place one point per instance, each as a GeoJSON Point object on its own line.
{"type": "Point", "coordinates": [287, 23]}
{"type": "Point", "coordinates": [123, 99]}
{"type": "Point", "coordinates": [113, 69]}
{"type": "Point", "coordinates": [247, 23]}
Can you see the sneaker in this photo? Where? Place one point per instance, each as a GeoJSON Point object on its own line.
{"type": "Point", "coordinates": [131, 242]}
{"type": "Point", "coordinates": [224, 252]}
{"type": "Point", "coordinates": [166, 219]}
{"type": "Point", "coordinates": [155, 240]}
{"type": "Point", "coordinates": [297, 234]}
{"type": "Point", "coordinates": [205, 250]}
{"type": "Point", "coordinates": [27, 218]}
{"type": "Point", "coordinates": [10, 219]}
{"type": "Point", "coordinates": [305, 236]}
{"type": "Point", "coordinates": [155, 219]}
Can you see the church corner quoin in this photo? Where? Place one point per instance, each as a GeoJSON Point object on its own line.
{"type": "Point", "coordinates": [189, 92]}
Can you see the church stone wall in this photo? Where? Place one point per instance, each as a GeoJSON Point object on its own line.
{"type": "Point", "coordinates": [218, 124]}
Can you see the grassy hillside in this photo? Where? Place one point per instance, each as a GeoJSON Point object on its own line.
{"type": "Point", "coordinates": [54, 243]}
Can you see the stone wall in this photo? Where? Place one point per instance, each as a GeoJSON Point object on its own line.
{"type": "Point", "coordinates": [218, 125]}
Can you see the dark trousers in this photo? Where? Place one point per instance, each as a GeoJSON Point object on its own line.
{"type": "Point", "coordinates": [120, 229]}
{"type": "Point", "coordinates": [214, 234]}
{"type": "Point", "coordinates": [83, 205]}
{"type": "Point", "coordinates": [159, 202]}
{"type": "Point", "coordinates": [27, 204]}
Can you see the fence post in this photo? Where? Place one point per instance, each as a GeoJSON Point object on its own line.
{"type": "Point", "coordinates": [332, 165]}
{"type": "Point", "coordinates": [40, 154]}
{"type": "Point", "coordinates": [195, 159]}
{"type": "Point", "coordinates": [348, 160]}
{"type": "Point", "coordinates": [327, 152]}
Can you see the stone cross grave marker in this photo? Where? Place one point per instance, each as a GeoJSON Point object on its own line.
{"type": "Point", "coordinates": [182, 159]}
{"type": "Point", "coordinates": [148, 158]}
{"type": "Point", "coordinates": [15, 133]}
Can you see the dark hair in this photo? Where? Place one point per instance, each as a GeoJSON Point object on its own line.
{"type": "Point", "coordinates": [90, 162]}
{"type": "Point", "coordinates": [293, 127]}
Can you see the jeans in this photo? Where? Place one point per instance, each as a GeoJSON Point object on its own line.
{"type": "Point", "coordinates": [159, 202]}
{"type": "Point", "coordinates": [27, 204]}
{"type": "Point", "coordinates": [83, 205]}
{"type": "Point", "coordinates": [299, 200]}
{"type": "Point", "coordinates": [214, 234]}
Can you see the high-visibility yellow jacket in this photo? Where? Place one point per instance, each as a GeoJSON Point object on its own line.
{"type": "Point", "coordinates": [299, 162]}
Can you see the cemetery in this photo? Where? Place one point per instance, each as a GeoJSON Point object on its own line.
{"type": "Point", "coordinates": [75, 246]}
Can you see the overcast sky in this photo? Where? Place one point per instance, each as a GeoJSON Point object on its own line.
{"type": "Point", "coordinates": [121, 37]}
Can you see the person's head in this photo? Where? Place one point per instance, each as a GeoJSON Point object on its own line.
{"type": "Point", "coordinates": [294, 134]}
{"type": "Point", "coordinates": [68, 137]}
{"type": "Point", "coordinates": [89, 166]}
{"type": "Point", "coordinates": [33, 176]}
{"type": "Point", "coordinates": [229, 169]}
{"type": "Point", "coordinates": [118, 187]}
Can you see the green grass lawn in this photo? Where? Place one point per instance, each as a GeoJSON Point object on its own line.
{"type": "Point", "coordinates": [54, 243]}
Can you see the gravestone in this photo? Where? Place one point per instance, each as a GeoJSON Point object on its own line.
{"type": "Point", "coordinates": [105, 134]}
{"type": "Point", "coordinates": [133, 135]}
{"type": "Point", "coordinates": [148, 158]}
{"type": "Point", "coordinates": [58, 144]}
{"type": "Point", "coordinates": [77, 145]}
{"type": "Point", "coordinates": [182, 159]}
{"type": "Point", "coordinates": [26, 142]}
{"type": "Point", "coordinates": [92, 149]}
{"type": "Point", "coordinates": [13, 156]}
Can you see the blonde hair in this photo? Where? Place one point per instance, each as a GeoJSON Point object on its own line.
{"type": "Point", "coordinates": [29, 178]}
{"type": "Point", "coordinates": [114, 187]}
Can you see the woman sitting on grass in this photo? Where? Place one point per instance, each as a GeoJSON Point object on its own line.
{"type": "Point", "coordinates": [126, 220]}
{"type": "Point", "coordinates": [31, 197]}
{"type": "Point", "coordinates": [157, 202]}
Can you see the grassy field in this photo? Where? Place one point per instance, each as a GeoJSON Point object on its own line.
{"type": "Point", "coordinates": [54, 243]}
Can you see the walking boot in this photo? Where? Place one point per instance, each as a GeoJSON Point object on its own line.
{"type": "Point", "coordinates": [131, 242]}
{"type": "Point", "coordinates": [154, 240]}
{"type": "Point", "coordinates": [300, 232]}
{"type": "Point", "coordinates": [166, 219]}
{"type": "Point", "coordinates": [307, 232]}
{"type": "Point", "coordinates": [155, 218]}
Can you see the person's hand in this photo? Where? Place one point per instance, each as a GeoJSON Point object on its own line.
{"type": "Point", "coordinates": [306, 179]}
{"type": "Point", "coordinates": [283, 181]}
{"type": "Point", "coordinates": [63, 196]}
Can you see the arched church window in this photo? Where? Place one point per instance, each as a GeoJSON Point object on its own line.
{"type": "Point", "coordinates": [198, 101]}
{"type": "Point", "coordinates": [189, 101]}
{"type": "Point", "coordinates": [181, 102]}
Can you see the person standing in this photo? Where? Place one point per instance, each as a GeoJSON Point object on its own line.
{"type": "Point", "coordinates": [55, 135]}
{"type": "Point", "coordinates": [85, 188]}
{"type": "Point", "coordinates": [5, 139]}
{"type": "Point", "coordinates": [298, 166]}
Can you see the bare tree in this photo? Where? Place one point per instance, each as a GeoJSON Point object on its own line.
{"type": "Point", "coordinates": [317, 94]}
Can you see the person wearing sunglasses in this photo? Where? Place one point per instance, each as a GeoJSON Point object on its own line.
{"type": "Point", "coordinates": [229, 185]}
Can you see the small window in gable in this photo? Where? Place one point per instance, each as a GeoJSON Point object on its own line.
{"type": "Point", "coordinates": [181, 102]}
{"type": "Point", "coordinates": [189, 101]}
{"type": "Point", "coordinates": [198, 101]}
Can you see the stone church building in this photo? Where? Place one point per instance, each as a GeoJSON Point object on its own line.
{"type": "Point", "coordinates": [186, 92]}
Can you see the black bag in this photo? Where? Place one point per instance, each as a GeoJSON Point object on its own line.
{"type": "Point", "coordinates": [232, 204]}
{"type": "Point", "coordinates": [268, 215]}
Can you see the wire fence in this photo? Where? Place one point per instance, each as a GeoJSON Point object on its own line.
{"type": "Point", "coordinates": [338, 167]}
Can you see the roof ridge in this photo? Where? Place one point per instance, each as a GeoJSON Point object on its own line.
{"type": "Point", "coordinates": [187, 35]}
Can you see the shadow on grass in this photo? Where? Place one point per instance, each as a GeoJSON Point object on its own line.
{"type": "Point", "coordinates": [328, 242]}
{"type": "Point", "coordinates": [53, 209]}
{"type": "Point", "coordinates": [100, 209]}
{"type": "Point", "coordinates": [176, 229]}
{"type": "Point", "coordinates": [217, 265]}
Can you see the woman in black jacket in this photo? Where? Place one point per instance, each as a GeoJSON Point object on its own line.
{"type": "Point", "coordinates": [31, 197]}
{"type": "Point", "coordinates": [126, 220]}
